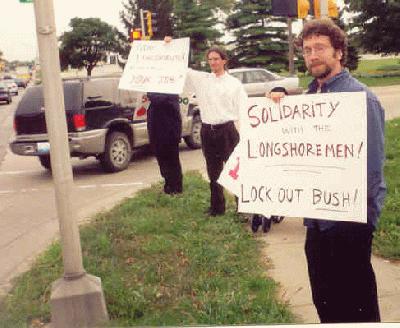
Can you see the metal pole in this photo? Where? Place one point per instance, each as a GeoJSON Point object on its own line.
{"type": "Point", "coordinates": [77, 299]}
{"type": "Point", "coordinates": [57, 132]}
{"type": "Point", "coordinates": [291, 46]}
{"type": "Point", "coordinates": [142, 24]}
{"type": "Point", "coordinates": [324, 8]}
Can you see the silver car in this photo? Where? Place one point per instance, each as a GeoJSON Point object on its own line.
{"type": "Point", "coordinates": [258, 81]}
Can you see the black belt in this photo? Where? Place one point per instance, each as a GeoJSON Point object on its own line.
{"type": "Point", "coordinates": [216, 126]}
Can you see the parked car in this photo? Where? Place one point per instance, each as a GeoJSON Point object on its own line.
{"type": "Point", "coordinates": [5, 94]}
{"type": "Point", "coordinates": [258, 81]}
{"type": "Point", "coordinates": [102, 120]}
{"type": "Point", "coordinates": [12, 86]}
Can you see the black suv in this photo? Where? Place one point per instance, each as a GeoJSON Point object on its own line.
{"type": "Point", "coordinates": [103, 121]}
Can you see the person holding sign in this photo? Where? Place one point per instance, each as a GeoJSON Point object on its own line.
{"type": "Point", "coordinates": [221, 98]}
{"type": "Point", "coordinates": [338, 253]}
{"type": "Point", "coordinates": [164, 125]}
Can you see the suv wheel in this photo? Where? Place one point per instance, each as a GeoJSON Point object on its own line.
{"type": "Point", "coordinates": [45, 161]}
{"type": "Point", "coordinates": [194, 139]}
{"type": "Point", "coordinates": [117, 152]}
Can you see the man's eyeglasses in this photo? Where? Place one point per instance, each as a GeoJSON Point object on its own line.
{"type": "Point", "coordinates": [318, 50]}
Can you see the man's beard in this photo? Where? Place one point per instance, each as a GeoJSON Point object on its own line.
{"type": "Point", "coordinates": [321, 75]}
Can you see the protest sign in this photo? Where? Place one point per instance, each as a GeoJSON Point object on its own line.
{"type": "Point", "coordinates": [304, 157]}
{"type": "Point", "coordinates": [156, 66]}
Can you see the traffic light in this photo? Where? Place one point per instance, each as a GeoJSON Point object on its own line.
{"type": "Point", "coordinates": [333, 10]}
{"type": "Point", "coordinates": [136, 34]}
{"type": "Point", "coordinates": [151, 23]}
{"type": "Point", "coordinates": [290, 8]}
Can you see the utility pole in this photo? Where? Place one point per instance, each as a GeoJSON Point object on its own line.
{"type": "Point", "coordinates": [291, 47]}
{"type": "Point", "coordinates": [141, 12]}
{"type": "Point", "coordinates": [324, 8]}
{"type": "Point", "coordinates": [77, 298]}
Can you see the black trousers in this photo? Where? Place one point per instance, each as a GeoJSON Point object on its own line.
{"type": "Point", "coordinates": [342, 279]}
{"type": "Point", "coordinates": [218, 142]}
{"type": "Point", "coordinates": [164, 126]}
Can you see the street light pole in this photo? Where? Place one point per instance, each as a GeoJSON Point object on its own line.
{"type": "Point", "coordinates": [324, 8]}
{"type": "Point", "coordinates": [291, 46]}
{"type": "Point", "coordinates": [141, 12]}
{"type": "Point", "coordinates": [77, 298]}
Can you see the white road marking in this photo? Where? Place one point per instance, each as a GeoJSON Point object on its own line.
{"type": "Point", "coordinates": [104, 185]}
{"type": "Point", "coordinates": [121, 184]}
{"type": "Point", "coordinates": [19, 172]}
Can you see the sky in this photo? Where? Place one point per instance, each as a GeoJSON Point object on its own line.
{"type": "Point", "coordinates": [17, 22]}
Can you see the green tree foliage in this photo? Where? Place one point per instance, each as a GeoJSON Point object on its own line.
{"type": "Point", "coordinates": [130, 18]}
{"type": "Point", "coordinates": [260, 39]}
{"type": "Point", "coordinates": [88, 43]}
{"type": "Point", "coordinates": [353, 56]}
{"type": "Point", "coordinates": [197, 20]}
{"type": "Point", "coordinates": [378, 24]}
{"type": "Point", "coordinates": [130, 15]}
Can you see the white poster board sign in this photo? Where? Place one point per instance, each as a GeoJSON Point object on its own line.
{"type": "Point", "coordinates": [304, 157]}
{"type": "Point", "coordinates": [156, 66]}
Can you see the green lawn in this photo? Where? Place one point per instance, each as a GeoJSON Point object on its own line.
{"type": "Point", "coordinates": [162, 261]}
{"type": "Point", "coordinates": [387, 237]}
{"type": "Point", "coordinates": [377, 72]}
{"type": "Point", "coordinates": [378, 65]}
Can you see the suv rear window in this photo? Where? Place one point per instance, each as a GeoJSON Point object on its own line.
{"type": "Point", "coordinates": [33, 99]}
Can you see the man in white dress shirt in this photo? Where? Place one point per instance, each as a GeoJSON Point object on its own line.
{"type": "Point", "coordinates": [221, 97]}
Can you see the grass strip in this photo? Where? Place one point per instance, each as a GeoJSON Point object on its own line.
{"type": "Point", "coordinates": [162, 261]}
{"type": "Point", "coordinates": [387, 236]}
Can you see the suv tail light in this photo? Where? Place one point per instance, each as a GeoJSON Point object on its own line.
{"type": "Point", "coordinates": [79, 122]}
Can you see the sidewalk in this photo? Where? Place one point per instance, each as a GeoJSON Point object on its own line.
{"type": "Point", "coordinates": [284, 251]}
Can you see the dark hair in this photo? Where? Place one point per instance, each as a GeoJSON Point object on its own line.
{"type": "Point", "coordinates": [326, 27]}
{"type": "Point", "coordinates": [221, 52]}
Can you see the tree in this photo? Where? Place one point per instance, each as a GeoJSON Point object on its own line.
{"type": "Point", "coordinates": [130, 15]}
{"type": "Point", "coordinates": [88, 43]}
{"type": "Point", "coordinates": [261, 40]}
{"type": "Point", "coordinates": [353, 56]}
{"type": "Point", "coordinates": [197, 20]}
{"type": "Point", "coordinates": [377, 23]}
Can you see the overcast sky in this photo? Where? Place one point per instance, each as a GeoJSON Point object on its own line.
{"type": "Point", "coordinates": [17, 22]}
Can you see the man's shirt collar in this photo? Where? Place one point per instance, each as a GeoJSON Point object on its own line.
{"type": "Point", "coordinates": [313, 86]}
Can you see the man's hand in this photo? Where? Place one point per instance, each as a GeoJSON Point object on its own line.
{"type": "Point", "coordinates": [275, 96]}
{"type": "Point", "coordinates": [167, 39]}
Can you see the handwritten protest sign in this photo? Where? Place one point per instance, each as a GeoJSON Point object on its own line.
{"type": "Point", "coordinates": [306, 156]}
{"type": "Point", "coordinates": [156, 66]}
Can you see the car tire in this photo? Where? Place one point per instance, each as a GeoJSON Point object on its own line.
{"type": "Point", "coordinates": [194, 139]}
{"type": "Point", "coordinates": [45, 161]}
{"type": "Point", "coordinates": [117, 153]}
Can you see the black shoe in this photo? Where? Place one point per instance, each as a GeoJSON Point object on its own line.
{"type": "Point", "coordinates": [211, 212]}
{"type": "Point", "coordinates": [277, 219]}
{"type": "Point", "coordinates": [256, 221]}
{"type": "Point", "coordinates": [266, 224]}
{"type": "Point", "coordinates": [172, 191]}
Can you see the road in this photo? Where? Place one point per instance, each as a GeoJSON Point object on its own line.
{"type": "Point", "coordinates": [28, 221]}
